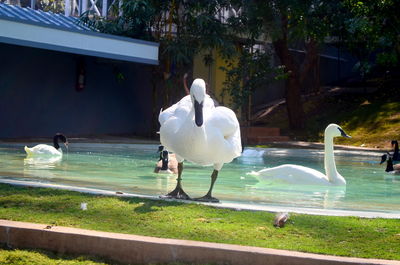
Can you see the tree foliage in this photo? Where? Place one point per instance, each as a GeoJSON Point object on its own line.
{"type": "Point", "coordinates": [370, 29]}
{"type": "Point", "coordinates": [288, 24]}
{"type": "Point", "coordinates": [250, 71]}
{"type": "Point", "coordinates": [182, 28]}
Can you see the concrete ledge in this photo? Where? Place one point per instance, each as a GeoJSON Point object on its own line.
{"type": "Point", "coordinates": [141, 249]}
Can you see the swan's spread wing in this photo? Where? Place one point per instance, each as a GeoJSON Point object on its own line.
{"type": "Point", "coordinates": [171, 120]}
{"type": "Point", "coordinates": [293, 174]}
{"type": "Point", "coordinates": [223, 123]}
{"type": "Point", "coordinates": [216, 142]}
{"type": "Point", "coordinates": [177, 111]}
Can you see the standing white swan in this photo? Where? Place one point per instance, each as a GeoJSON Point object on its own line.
{"type": "Point", "coordinates": [48, 150]}
{"type": "Point", "coordinates": [197, 131]}
{"type": "Point", "coordinates": [296, 174]}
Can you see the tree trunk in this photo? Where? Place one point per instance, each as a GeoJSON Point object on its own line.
{"type": "Point", "coordinates": [310, 67]}
{"type": "Point", "coordinates": [293, 96]}
{"type": "Point", "coordinates": [317, 84]}
{"type": "Point", "coordinates": [293, 103]}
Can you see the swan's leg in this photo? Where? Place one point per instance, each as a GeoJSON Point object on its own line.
{"type": "Point", "coordinates": [208, 197]}
{"type": "Point", "coordinates": [178, 192]}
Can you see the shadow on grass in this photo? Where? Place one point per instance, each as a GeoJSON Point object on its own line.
{"type": "Point", "coordinates": [147, 206]}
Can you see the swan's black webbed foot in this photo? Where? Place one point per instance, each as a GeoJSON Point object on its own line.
{"type": "Point", "coordinates": [177, 193]}
{"type": "Point", "coordinates": [207, 198]}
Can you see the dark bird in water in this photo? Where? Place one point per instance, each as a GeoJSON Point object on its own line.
{"type": "Point", "coordinates": [390, 168]}
{"type": "Point", "coordinates": [281, 219]}
{"type": "Point", "coordinates": [396, 155]}
{"type": "Point", "coordinates": [167, 162]}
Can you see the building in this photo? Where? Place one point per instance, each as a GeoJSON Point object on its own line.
{"type": "Point", "coordinates": [59, 76]}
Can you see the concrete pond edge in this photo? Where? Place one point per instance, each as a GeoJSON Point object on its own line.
{"type": "Point", "coordinates": [133, 249]}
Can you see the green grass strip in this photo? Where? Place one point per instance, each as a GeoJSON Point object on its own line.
{"type": "Point", "coordinates": [34, 257]}
{"type": "Point", "coordinates": [40, 257]}
{"type": "Point", "coordinates": [342, 236]}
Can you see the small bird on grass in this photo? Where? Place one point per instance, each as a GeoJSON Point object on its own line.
{"type": "Point", "coordinates": [281, 219]}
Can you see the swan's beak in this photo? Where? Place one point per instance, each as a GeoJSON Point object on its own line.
{"type": "Point", "coordinates": [66, 145]}
{"type": "Point", "coordinates": [198, 113]}
{"type": "Point", "coordinates": [383, 159]}
{"type": "Point", "coordinates": [343, 133]}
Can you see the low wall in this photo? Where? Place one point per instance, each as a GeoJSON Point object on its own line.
{"type": "Point", "coordinates": [144, 250]}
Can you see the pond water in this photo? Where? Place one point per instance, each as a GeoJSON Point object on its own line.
{"type": "Point", "coordinates": [129, 168]}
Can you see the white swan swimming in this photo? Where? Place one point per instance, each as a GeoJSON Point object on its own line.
{"type": "Point", "coordinates": [296, 174]}
{"type": "Point", "coordinates": [48, 150]}
{"type": "Point", "coordinates": [197, 131]}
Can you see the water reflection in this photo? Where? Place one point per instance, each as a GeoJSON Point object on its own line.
{"type": "Point", "coordinates": [41, 166]}
{"type": "Point", "coordinates": [327, 197]}
{"type": "Point", "coordinates": [42, 162]}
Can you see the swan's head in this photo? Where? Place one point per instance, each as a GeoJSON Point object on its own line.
{"type": "Point", "coordinates": [198, 94]}
{"type": "Point", "coordinates": [60, 136]}
{"type": "Point", "coordinates": [394, 143]}
{"type": "Point", "coordinates": [334, 130]}
{"type": "Point", "coordinates": [384, 158]}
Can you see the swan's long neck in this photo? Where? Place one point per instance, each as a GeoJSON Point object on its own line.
{"type": "Point", "coordinates": [330, 167]}
{"type": "Point", "coordinates": [55, 143]}
{"type": "Point", "coordinates": [164, 165]}
{"type": "Point", "coordinates": [396, 148]}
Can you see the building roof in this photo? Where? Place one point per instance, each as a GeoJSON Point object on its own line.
{"type": "Point", "coordinates": [47, 30]}
{"type": "Point", "coordinates": [39, 16]}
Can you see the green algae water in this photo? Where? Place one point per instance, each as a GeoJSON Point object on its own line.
{"type": "Point", "coordinates": [129, 168]}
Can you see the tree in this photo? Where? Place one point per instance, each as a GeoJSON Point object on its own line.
{"type": "Point", "coordinates": [182, 28]}
{"type": "Point", "coordinates": [250, 70]}
{"type": "Point", "coordinates": [291, 24]}
{"type": "Point", "coordinates": [371, 31]}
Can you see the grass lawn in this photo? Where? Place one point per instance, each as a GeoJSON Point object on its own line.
{"type": "Point", "coordinates": [40, 257]}
{"type": "Point", "coordinates": [32, 257]}
{"type": "Point", "coordinates": [343, 236]}
{"type": "Point", "coordinates": [372, 119]}
{"type": "Point", "coordinates": [370, 122]}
